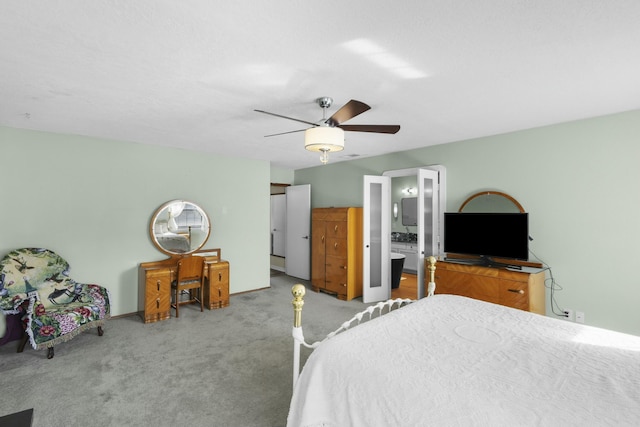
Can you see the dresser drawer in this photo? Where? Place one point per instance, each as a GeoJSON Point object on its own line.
{"type": "Point", "coordinates": [514, 294]}
{"type": "Point", "coordinates": [336, 276]}
{"type": "Point", "coordinates": [472, 286]}
{"type": "Point", "coordinates": [336, 248]}
{"type": "Point", "coordinates": [337, 229]}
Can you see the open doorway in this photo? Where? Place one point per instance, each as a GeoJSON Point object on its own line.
{"type": "Point", "coordinates": [291, 230]}
{"type": "Point", "coordinates": [278, 227]}
{"type": "Point", "coordinates": [427, 207]}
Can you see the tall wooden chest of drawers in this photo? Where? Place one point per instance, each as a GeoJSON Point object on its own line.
{"type": "Point", "coordinates": [336, 251]}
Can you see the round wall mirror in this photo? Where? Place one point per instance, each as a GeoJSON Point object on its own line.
{"type": "Point", "coordinates": [491, 201]}
{"type": "Point", "coordinates": [179, 227]}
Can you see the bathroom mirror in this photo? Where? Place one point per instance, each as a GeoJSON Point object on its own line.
{"type": "Point", "coordinates": [410, 211]}
{"type": "Point", "coordinates": [179, 227]}
{"type": "Point", "coordinates": [491, 201]}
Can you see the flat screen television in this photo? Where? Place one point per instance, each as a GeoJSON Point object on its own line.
{"type": "Point", "coordinates": [500, 235]}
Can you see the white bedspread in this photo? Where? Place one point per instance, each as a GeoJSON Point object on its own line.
{"type": "Point", "coordinates": [453, 361]}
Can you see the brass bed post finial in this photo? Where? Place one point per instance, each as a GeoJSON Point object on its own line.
{"type": "Point", "coordinates": [298, 292]}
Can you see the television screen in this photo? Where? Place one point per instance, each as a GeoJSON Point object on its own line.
{"type": "Point", "coordinates": [502, 235]}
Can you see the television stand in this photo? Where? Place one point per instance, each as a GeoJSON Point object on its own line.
{"type": "Point", "coordinates": [516, 286]}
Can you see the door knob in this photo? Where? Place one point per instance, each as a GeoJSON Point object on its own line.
{"type": "Point", "coordinates": [305, 237]}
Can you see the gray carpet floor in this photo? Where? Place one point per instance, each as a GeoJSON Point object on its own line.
{"type": "Point", "coordinates": [225, 367]}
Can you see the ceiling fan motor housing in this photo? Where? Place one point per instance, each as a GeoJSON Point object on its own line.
{"type": "Point", "coordinates": [324, 102]}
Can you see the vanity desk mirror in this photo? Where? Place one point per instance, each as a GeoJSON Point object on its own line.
{"type": "Point", "coordinates": [180, 229]}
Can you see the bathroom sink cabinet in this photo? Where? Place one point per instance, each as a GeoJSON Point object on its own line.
{"type": "Point", "coordinates": [410, 251]}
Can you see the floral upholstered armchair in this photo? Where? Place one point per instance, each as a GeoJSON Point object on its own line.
{"type": "Point", "coordinates": [35, 283]}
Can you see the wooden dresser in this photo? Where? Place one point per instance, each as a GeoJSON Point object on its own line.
{"type": "Point", "coordinates": [518, 289]}
{"type": "Point", "coordinates": [154, 285]}
{"type": "Point", "coordinates": [216, 289]}
{"type": "Point", "coordinates": [336, 251]}
{"type": "Point", "coordinates": [154, 291]}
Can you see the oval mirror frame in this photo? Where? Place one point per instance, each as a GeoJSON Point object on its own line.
{"type": "Point", "coordinates": [491, 201]}
{"type": "Point", "coordinates": [179, 227]}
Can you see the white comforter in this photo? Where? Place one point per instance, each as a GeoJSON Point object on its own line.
{"type": "Point", "coordinates": [453, 361]}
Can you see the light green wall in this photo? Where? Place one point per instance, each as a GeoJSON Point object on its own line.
{"type": "Point", "coordinates": [580, 182]}
{"type": "Point", "coordinates": [90, 200]}
{"type": "Point", "coordinates": [282, 176]}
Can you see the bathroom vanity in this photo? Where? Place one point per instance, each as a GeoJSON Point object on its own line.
{"type": "Point", "coordinates": [407, 245]}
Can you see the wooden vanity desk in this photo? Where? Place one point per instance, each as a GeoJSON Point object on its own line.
{"type": "Point", "coordinates": [154, 284]}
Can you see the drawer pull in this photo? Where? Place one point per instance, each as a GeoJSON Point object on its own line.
{"type": "Point", "coordinates": [343, 284]}
{"type": "Point", "coordinates": [516, 291]}
{"type": "Point", "coordinates": [335, 245]}
{"type": "Point", "coordinates": [158, 303]}
{"type": "Point", "coordinates": [220, 292]}
{"type": "Point", "coordinates": [335, 228]}
{"type": "Point", "coordinates": [322, 239]}
{"type": "Point", "coordinates": [158, 283]}
{"type": "Point", "coordinates": [219, 277]}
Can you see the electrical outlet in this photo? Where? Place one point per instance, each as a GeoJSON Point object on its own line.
{"type": "Point", "coordinates": [580, 316]}
{"type": "Point", "coordinates": [569, 313]}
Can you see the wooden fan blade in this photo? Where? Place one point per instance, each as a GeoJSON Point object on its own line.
{"type": "Point", "coordinates": [371, 128]}
{"type": "Point", "coordinates": [285, 117]}
{"type": "Point", "coordinates": [347, 111]}
{"type": "Point", "coordinates": [284, 133]}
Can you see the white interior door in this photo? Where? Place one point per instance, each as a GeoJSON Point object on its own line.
{"type": "Point", "coordinates": [428, 221]}
{"type": "Point", "coordinates": [278, 224]}
{"type": "Point", "coordinates": [298, 232]}
{"type": "Point", "coordinates": [376, 224]}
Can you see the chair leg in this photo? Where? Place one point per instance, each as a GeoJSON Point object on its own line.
{"type": "Point", "coordinates": [201, 300]}
{"type": "Point", "coordinates": [23, 342]}
{"type": "Point", "coordinates": [177, 302]}
{"type": "Point", "coordinates": [100, 331]}
{"type": "Point", "coordinates": [50, 353]}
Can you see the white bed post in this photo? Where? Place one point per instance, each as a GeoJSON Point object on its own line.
{"type": "Point", "coordinates": [298, 292]}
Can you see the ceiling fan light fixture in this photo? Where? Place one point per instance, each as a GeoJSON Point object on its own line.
{"type": "Point", "coordinates": [324, 139]}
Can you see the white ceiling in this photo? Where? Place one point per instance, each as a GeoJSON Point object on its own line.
{"type": "Point", "coordinates": [190, 73]}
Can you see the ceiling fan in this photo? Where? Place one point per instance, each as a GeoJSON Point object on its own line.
{"type": "Point", "coordinates": [328, 133]}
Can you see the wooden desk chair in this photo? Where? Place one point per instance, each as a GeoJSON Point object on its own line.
{"type": "Point", "coordinates": [190, 277]}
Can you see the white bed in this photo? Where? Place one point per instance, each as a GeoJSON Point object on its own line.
{"type": "Point", "coordinates": [453, 361]}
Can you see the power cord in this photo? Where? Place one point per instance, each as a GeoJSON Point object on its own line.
{"type": "Point", "coordinates": [553, 286]}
